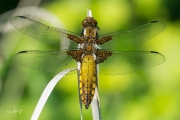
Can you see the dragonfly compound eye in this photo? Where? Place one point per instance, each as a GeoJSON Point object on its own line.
{"type": "Point", "coordinates": [89, 21]}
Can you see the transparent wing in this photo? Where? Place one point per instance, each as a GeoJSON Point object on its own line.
{"type": "Point", "coordinates": [50, 61]}
{"type": "Point", "coordinates": [41, 32]}
{"type": "Point", "coordinates": [126, 38]}
{"type": "Point", "coordinates": [128, 62]}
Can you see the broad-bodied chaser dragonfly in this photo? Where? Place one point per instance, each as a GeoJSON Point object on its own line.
{"type": "Point", "coordinates": [93, 53]}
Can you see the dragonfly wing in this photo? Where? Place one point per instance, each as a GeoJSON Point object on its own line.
{"type": "Point", "coordinates": [50, 61]}
{"type": "Point", "coordinates": [41, 32]}
{"type": "Point", "coordinates": [126, 38]}
{"type": "Point", "coordinates": [127, 62]}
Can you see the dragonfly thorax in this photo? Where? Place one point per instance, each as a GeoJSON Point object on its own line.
{"type": "Point", "coordinates": [90, 31]}
{"type": "Point", "coordinates": [89, 35]}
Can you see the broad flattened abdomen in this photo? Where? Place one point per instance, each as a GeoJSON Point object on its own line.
{"type": "Point", "coordinates": [87, 79]}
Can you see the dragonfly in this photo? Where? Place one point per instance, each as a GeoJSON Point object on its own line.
{"type": "Point", "coordinates": [88, 51]}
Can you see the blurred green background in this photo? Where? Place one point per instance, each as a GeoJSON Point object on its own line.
{"type": "Point", "coordinates": [151, 94]}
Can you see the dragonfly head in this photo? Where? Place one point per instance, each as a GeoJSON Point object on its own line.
{"type": "Point", "coordinates": [89, 20]}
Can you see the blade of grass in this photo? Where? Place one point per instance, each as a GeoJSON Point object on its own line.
{"type": "Point", "coordinates": [96, 106]}
{"type": "Point", "coordinates": [47, 91]}
{"type": "Point", "coordinates": [80, 105]}
{"type": "Point", "coordinates": [80, 101]}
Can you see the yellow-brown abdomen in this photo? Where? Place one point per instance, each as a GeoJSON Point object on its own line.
{"type": "Point", "coordinates": [87, 79]}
